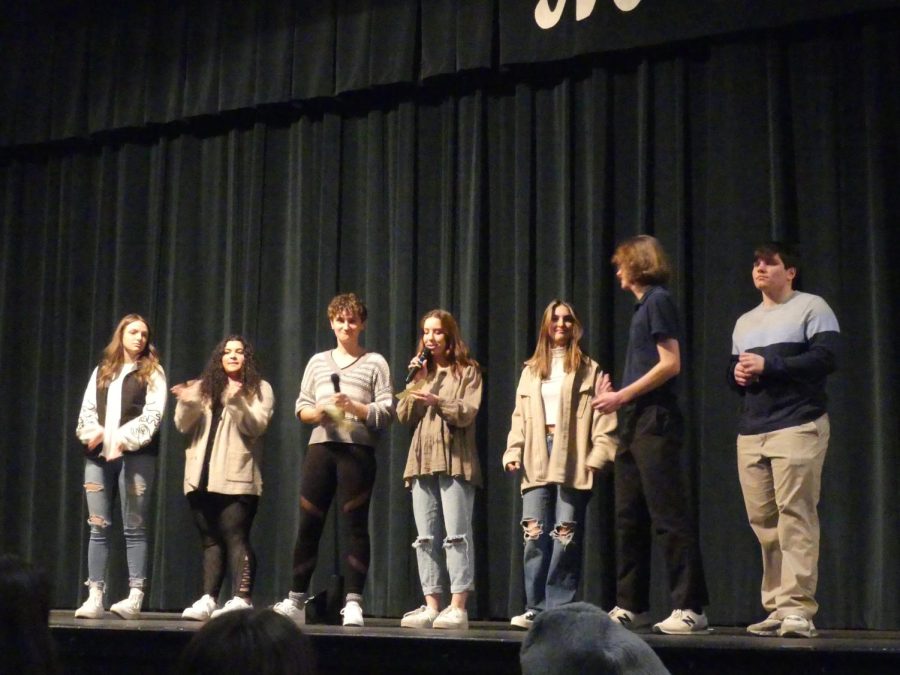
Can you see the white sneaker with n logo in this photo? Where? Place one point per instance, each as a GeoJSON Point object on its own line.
{"type": "Point", "coordinates": [683, 622]}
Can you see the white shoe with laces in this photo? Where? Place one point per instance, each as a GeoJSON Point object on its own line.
{"type": "Point", "coordinates": [683, 622]}
{"type": "Point", "coordinates": [352, 613]}
{"type": "Point", "coordinates": [523, 620]}
{"type": "Point", "coordinates": [200, 610]}
{"type": "Point", "coordinates": [130, 607]}
{"type": "Point", "coordinates": [93, 606]}
{"type": "Point", "coordinates": [452, 618]}
{"type": "Point", "coordinates": [794, 625]}
{"type": "Point", "coordinates": [631, 620]}
{"type": "Point", "coordinates": [423, 617]}
{"type": "Point", "coordinates": [293, 609]}
{"type": "Point", "coordinates": [234, 605]}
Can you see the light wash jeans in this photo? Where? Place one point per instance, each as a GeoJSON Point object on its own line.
{"type": "Point", "coordinates": [131, 477]}
{"type": "Point", "coordinates": [443, 503]}
{"type": "Point", "coordinates": [552, 557]}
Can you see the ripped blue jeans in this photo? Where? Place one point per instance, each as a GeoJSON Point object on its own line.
{"type": "Point", "coordinates": [553, 527]}
{"type": "Point", "coordinates": [131, 478]}
{"type": "Point", "coordinates": [443, 504]}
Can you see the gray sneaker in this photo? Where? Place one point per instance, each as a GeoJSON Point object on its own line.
{"type": "Point", "coordinates": [794, 625]}
{"type": "Point", "coordinates": [768, 627]}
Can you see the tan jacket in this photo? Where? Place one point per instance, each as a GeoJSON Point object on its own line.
{"type": "Point", "coordinates": [444, 436]}
{"type": "Point", "coordinates": [237, 448]}
{"type": "Point", "coordinates": [583, 439]}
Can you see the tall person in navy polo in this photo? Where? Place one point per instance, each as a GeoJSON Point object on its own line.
{"type": "Point", "coordinates": [650, 489]}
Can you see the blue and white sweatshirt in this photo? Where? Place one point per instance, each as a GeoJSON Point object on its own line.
{"type": "Point", "coordinates": [798, 339]}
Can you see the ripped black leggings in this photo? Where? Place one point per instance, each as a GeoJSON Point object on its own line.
{"type": "Point", "coordinates": [347, 470]}
{"type": "Point", "coordinates": [224, 522]}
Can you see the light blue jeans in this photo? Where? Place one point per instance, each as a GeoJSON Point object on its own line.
{"type": "Point", "coordinates": [552, 557]}
{"type": "Point", "coordinates": [130, 477]}
{"type": "Point", "coordinates": [443, 504]}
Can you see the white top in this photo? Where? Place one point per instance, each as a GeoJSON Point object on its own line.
{"type": "Point", "coordinates": [552, 386]}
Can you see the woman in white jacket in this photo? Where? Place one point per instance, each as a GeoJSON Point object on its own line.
{"type": "Point", "coordinates": [120, 414]}
{"type": "Point", "coordinates": [226, 411]}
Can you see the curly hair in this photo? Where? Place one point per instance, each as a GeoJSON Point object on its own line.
{"type": "Point", "coordinates": [347, 303]}
{"type": "Point", "coordinates": [457, 349]}
{"type": "Point", "coordinates": [213, 380]}
{"type": "Point", "coordinates": [114, 354]}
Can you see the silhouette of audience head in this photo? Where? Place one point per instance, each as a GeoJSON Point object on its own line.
{"type": "Point", "coordinates": [25, 642]}
{"type": "Point", "coordinates": [581, 638]}
{"type": "Point", "coordinates": [257, 641]}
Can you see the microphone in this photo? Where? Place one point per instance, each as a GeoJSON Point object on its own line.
{"type": "Point", "coordinates": [421, 360]}
{"type": "Point", "coordinates": [336, 382]}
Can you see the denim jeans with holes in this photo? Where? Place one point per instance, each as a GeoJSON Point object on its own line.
{"type": "Point", "coordinates": [131, 478]}
{"type": "Point", "coordinates": [442, 505]}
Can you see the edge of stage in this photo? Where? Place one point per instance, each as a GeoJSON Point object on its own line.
{"type": "Point", "coordinates": [152, 644]}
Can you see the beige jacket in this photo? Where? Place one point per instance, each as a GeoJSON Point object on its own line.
{"type": "Point", "coordinates": [237, 448]}
{"type": "Point", "coordinates": [444, 436]}
{"type": "Point", "coordinates": [583, 439]}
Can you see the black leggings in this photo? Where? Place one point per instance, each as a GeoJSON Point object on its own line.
{"type": "Point", "coordinates": [224, 522]}
{"type": "Point", "coordinates": [349, 470]}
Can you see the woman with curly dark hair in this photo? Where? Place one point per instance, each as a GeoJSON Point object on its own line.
{"type": "Point", "coordinates": [226, 411]}
{"type": "Point", "coordinates": [120, 415]}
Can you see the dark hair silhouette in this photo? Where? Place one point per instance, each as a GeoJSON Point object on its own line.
{"type": "Point", "coordinates": [25, 642]}
{"type": "Point", "coordinates": [257, 641]}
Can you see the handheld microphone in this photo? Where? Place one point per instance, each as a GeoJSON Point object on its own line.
{"type": "Point", "coordinates": [421, 360]}
{"type": "Point", "coordinates": [336, 382]}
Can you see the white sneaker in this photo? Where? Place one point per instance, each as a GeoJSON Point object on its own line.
{"type": "Point", "coordinates": [294, 610]}
{"type": "Point", "coordinates": [130, 607]}
{"type": "Point", "coordinates": [423, 617]}
{"type": "Point", "coordinates": [683, 622]}
{"type": "Point", "coordinates": [523, 620]}
{"type": "Point", "coordinates": [352, 614]}
{"type": "Point", "coordinates": [794, 625]}
{"type": "Point", "coordinates": [235, 604]}
{"type": "Point", "coordinates": [768, 627]}
{"type": "Point", "coordinates": [452, 618]}
{"type": "Point", "coordinates": [200, 610]}
{"type": "Point", "coordinates": [93, 606]}
{"type": "Point", "coordinates": [631, 620]}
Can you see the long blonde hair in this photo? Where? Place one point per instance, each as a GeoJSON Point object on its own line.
{"type": "Point", "coordinates": [114, 355]}
{"type": "Point", "coordinates": [540, 361]}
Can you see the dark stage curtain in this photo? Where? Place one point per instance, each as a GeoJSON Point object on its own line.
{"type": "Point", "coordinates": [488, 194]}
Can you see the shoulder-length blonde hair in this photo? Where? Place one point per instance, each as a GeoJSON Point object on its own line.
{"type": "Point", "coordinates": [643, 260]}
{"type": "Point", "coordinates": [457, 350]}
{"type": "Point", "coordinates": [114, 355]}
{"type": "Point", "coordinates": [540, 361]}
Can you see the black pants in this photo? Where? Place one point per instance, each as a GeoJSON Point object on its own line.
{"type": "Point", "coordinates": [224, 522]}
{"type": "Point", "coordinates": [651, 498]}
{"type": "Point", "coordinates": [347, 470]}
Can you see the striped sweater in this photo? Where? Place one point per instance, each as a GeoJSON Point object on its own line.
{"type": "Point", "coordinates": [367, 380]}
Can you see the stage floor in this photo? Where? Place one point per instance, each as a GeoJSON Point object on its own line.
{"type": "Point", "coordinates": [152, 644]}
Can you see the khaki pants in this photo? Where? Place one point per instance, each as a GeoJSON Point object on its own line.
{"type": "Point", "coordinates": [781, 478]}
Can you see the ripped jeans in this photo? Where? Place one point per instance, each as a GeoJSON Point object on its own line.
{"type": "Point", "coordinates": [443, 504]}
{"type": "Point", "coordinates": [553, 527]}
{"type": "Point", "coordinates": [130, 477]}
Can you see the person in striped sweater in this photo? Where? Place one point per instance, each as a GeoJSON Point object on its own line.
{"type": "Point", "coordinates": [346, 395]}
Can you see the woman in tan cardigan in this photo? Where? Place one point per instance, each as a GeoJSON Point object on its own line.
{"type": "Point", "coordinates": [442, 469]}
{"type": "Point", "coordinates": [226, 411]}
{"type": "Point", "coordinates": [556, 441]}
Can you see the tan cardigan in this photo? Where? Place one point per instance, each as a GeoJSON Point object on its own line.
{"type": "Point", "coordinates": [237, 448]}
{"type": "Point", "coordinates": [444, 436]}
{"type": "Point", "coordinates": [584, 439]}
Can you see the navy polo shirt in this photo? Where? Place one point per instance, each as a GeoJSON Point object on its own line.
{"type": "Point", "coordinates": [655, 319]}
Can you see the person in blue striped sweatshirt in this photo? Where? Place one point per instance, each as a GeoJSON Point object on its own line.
{"type": "Point", "coordinates": [782, 351]}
